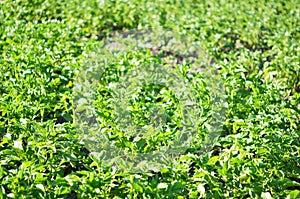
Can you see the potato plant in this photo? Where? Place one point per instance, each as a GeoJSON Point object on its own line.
{"type": "Point", "coordinates": [254, 45]}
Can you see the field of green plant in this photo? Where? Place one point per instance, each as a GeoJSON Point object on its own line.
{"type": "Point", "coordinates": [254, 44]}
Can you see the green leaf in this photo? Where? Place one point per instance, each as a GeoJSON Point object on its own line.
{"type": "Point", "coordinates": [141, 143]}
{"type": "Point", "coordinates": [294, 194]}
{"type": "Point", "coordinates": [177, 186]}
{"type": "Point", "coordinates": [213, 160]}
{"type": "Point", "coordinates": [137, 187]}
